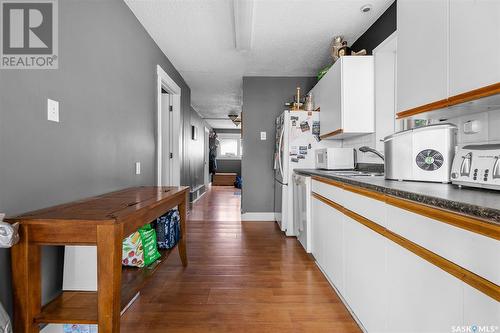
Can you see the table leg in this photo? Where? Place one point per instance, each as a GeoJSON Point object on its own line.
{"type": "Point", "coordinates": [26, 283]}
{"type": "Point", "coordinates": [109, 256]}
{"type": "Point", "coordinates": [182, 241]}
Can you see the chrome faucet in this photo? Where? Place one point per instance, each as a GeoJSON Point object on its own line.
{"type": "Point", "coordinates": [366, 149]}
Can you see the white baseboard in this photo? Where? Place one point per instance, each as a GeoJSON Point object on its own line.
{"type": "Point", "coordinates": [258, 217]}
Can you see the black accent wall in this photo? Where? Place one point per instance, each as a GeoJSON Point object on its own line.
{"type": "Point", "coordinates": [382, 28]}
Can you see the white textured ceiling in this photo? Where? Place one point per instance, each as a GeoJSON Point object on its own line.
{"type": "Point", "coordinates": [290, 38]}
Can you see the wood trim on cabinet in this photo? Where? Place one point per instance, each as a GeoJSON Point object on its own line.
{"type": "Point", "coordinates": [457, 220]}
{"type": "Point", "coordinates": [351, 188]}
{"type": "Point", "coordinates": [336, 132]}
{"type": "Point", "coordinates": [465, 222]}
{"type": "Point", "coordinates": [483, 285]}
{"type": "Point", "coordinates": [468, 96]}
{"type": "Point", "coordinates": [423, 108]}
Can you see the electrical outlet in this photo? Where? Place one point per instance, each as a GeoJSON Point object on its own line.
{"type": "Point", "coordinates": [263, 136]}
{"type": "Point", "coordinates": [52, 110]}
{"type": "Point", "coordinates": [137, 168]}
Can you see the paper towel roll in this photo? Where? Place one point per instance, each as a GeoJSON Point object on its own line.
{"type": "Point", "coordinates": [8, 233]}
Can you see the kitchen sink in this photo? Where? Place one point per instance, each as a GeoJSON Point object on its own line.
{"type": "Point", "coordinates": [353, 173]}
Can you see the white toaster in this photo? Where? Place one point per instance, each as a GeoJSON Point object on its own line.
{"type": "Point", "coordinates": [477, 166]}
{"type": "Point", "coordinates": [421, 154]}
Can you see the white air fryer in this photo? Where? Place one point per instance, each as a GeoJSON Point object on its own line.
{"type": "Point", "coordinates": [421, 154]}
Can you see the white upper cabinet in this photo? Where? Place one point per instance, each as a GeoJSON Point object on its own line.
{"type": "Point", "coordinates": [347, 98]}
{"type": "Point", "coordinates": [316, 94]}
{"type": "Point", "coordinates": [474, 31]}
{"type": "Point", "coordinates": [422, 56]}
{"type": "Point", "coordinates": [445, 48]}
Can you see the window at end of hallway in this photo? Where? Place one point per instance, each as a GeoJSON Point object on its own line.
{"type": "Point", "coordinates": [229, 146]}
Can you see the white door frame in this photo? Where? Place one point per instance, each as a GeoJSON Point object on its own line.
{"type": "Point", "coordinates": [206, 157]}
{"type": "Point", "coordinates": [164, 80]}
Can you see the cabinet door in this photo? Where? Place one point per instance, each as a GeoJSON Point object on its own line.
{"type": "Point", "coordinates": [422, 56]}
{"type": "Point", "coordinates": [421, 296]}
{"type": "Point", "coordinates": [480, 309]}
{"type": "Point", "coordinates": [315, 91]}
{"type": "Point", "coordinates": [358, 95]}
{"type": "Point", "coordinates": [474, 24]}
{"type": "Point", "coordinates": [365, 274]}
{"type": "Point", "coordinates": [334, 260]}
{"type": "Point", "coordinates": [318, 229]}
{"type": "Point", "coordinates": [331, 104]}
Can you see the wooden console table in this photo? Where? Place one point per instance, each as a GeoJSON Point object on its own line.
{"type": "Point", "coordinates": [102, 221]}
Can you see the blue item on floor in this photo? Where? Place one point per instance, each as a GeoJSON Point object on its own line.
{"type": "Point", "coordinates": [77, 328]}
{"type": "Point", "coordinates": [168, 229]}
{"type": "Point", "coordinates": [238, 182]}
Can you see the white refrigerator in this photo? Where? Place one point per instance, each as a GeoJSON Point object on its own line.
{"type": "Point", "coordinates": [297, 136]}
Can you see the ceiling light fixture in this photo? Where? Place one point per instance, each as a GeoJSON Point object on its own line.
{"type": "Point", "coordinates": [236, 119]}
{"type": "Point", "coordinates": [243, 24]}
{"type": "Point", "coordinates": [366, 8]}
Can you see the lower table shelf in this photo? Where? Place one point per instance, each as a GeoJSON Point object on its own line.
{"type": "Point", "coordinates": [71, 307]}
{"type": "Point", "coordinates": [80, 307]}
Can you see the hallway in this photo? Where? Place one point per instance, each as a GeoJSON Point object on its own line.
{"type": "Point", "coordinates": [241, 277]}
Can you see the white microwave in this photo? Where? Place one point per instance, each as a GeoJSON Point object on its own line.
{"type": "Point", "coordinates": [334, 158]}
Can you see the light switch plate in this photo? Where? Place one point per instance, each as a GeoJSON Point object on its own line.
{"type": "Point", "coordinates": [263, 136]}
{"type": "Point", "coordinates": [137, 168]}
{"type": "Point", "coordinates": [52, 110]}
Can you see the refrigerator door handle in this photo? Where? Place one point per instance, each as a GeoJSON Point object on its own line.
{"type": "Point", "coordinates": [280, 164]}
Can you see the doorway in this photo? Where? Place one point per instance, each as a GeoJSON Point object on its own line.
{"type": "Point", "coordinates": [168, 140]}
{"type": "Point", "coordinates": [206, 157]}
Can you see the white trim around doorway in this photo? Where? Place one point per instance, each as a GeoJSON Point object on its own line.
{"type": "Point", "coordinates": [165, 81]}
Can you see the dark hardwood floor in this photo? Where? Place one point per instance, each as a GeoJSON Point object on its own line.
{"type": "Point", "coordinates": [241, 277]}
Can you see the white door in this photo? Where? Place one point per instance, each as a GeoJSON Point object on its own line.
{"type": "Point", "coordinates": [167, 139]}
{"type": "Point", "coordinates": [206, 152]}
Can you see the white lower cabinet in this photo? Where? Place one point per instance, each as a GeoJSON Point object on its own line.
{"type": "Point", "coordinates": [328, 244]}
{"type": "Point", "coordinates": [365, 274]}
{"type": "Point", "coordinates": [421, 297]}
{"type": "Point", "coordinates": [319, 214]}
{"type": "Point", "coordinates": [388, 287]}
{"type": "Point", "coordinates": [480, 309]}
{"type": "Point", "coordinates": [334, 261]}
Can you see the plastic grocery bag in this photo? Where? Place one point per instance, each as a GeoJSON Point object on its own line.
{"type": "Point", "coordinates": [140, 248]}
{"type": "Point", "coordinates": [149, 244]}
{"type": "Point", "coordinates": [9, 235]}
{"type": "Point", "coordinates": [5, 326]}
{"type": "Point", "coordinates": [168, 230]}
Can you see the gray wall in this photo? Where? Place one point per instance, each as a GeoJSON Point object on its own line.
{"type": "Point", "coordinates": [227, 130]}
{"type": "Point", "coordinates": [106, 86]}
{"type": "Point", "coordinates": [227, 165]}
{"type": "Point", "coordinates": [195, 149]}
{"type": "Point", "coordinates": [263, 101]}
